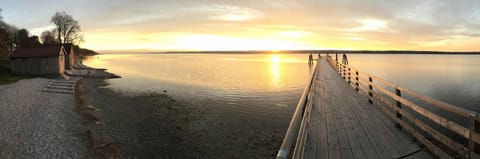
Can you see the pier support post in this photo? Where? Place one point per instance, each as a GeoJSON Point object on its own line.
{"type": "Point", "coordinates": [399, 106]}
{"type": "Point", "coordinates": [336, 57]}
{"type": "Point", "coordinates": [356, 81]}
{"type": "Point", "coordinates": [370, 87]}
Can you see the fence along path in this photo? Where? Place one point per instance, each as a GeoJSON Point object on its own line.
{"type": "Point", "coordinates": [338, 122]}
{"type": "Point", "coordinates": [425, 125]}
{"type": "Point", "coordinates": [343, 124]}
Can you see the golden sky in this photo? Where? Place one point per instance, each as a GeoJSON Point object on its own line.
{"type": "Point", "coordinates": [177, 25]}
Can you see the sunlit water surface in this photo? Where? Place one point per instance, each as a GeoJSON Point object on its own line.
{"type": "Point", "coordinates": [253, 89]}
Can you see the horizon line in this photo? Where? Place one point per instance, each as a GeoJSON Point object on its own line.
{"type": "Point", "coordinates": [288, 51]}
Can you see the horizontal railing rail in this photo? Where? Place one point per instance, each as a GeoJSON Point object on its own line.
{"type": "Point", "coordinates": [390, 102]}
{"type": "Point", "coordinates": [293, 134]}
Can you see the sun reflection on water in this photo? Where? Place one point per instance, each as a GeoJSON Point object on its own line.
{"type": "Point", "coordinates": [244, 73]}
{"type": "Point", "coordinates": [276, 71]}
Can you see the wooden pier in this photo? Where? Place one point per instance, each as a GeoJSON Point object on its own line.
{"type": "Point", "coordinates": [346, 113]}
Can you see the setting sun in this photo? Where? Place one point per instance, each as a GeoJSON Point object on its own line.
{"type": "Point", "coordinates": [275, 59]}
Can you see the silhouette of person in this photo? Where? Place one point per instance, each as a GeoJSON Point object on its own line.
{"type": "Point", "coordinates": [310, 59]}
{"type": "Point", "coordinates": [344, 59]}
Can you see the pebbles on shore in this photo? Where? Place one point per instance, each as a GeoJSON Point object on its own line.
{"type": "Point", "coordinates": [37, 124]}
{"type": "Point", "coordinates": [154, 125]}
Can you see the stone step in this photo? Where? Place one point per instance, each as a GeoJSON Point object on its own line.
{"type": "Point", "coordinates": [60, 87]}
{"type": "Point", "coordinates": [64, 81]}
{"type": "Point", "coordinates": [62, 84]}
{"type": "Point", "coordinates": [58, 91]}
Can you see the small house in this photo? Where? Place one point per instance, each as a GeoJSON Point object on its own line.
{"type": "Point", "coordinates": [69, 56]}
{"type": "Point", "coordinates": [38, 61]}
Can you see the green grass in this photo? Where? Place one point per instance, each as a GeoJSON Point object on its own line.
{"type": "Point", "coordinates": [6, 76]}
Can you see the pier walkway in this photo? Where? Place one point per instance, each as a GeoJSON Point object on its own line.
{"type": "Point", "coordinates": [346, 126]}
{"type": "Point", "coordinates": [347, 113]}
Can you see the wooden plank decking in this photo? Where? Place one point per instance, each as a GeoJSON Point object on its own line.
{"type": "Point", "coordinates": [343, 124]}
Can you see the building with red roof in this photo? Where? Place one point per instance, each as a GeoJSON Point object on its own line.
{"type": "Point", "coordinates": [39, 60]}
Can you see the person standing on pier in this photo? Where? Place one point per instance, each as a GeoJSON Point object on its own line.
{"type": "Point", "coordinates": [344, 59]}
{"type": "Point", "coordinates": [310, 59]}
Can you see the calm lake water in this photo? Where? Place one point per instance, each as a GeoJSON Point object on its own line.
{"type": "Point", "coordinates": [255, 89]}
{"type": "Point", "coordinates": [268, 85]}
{"type": "Point", "coordinates": [259, 91]}
{"type": "Point", "coordinates": [454, 79]}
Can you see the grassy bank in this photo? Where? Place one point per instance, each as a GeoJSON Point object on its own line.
{"type": "Point", "coordinates": [6, 76]}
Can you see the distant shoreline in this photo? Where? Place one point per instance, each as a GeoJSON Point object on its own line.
{"type": "Point", "coordinates": [307, 52]}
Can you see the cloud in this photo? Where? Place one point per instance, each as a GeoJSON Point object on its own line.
{"type": "Point", "coordinates": [38, 31]}
{"type": "Point", "coordinates": [367, 24]}
{"type": "Point", "coordinates": [231, 13]}
{"type": "Point", "coordinates": [370, 25]}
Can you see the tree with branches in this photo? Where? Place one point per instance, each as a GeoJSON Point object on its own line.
{"type": "Point", "coordinates": [11, 33]}
{"type": "Point", "coordinates": [3, 32]}
{"type": "Point", "coordinates": [1, 17]}
{"type": "Point", "coordinates": [3, 38]}
{"type": "Point", "coordinates": [67, 29]}
{"type": "Point", "coordinates": [48, 38]}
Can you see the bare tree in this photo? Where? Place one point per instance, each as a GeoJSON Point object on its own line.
{"type": "Point", "coordinates": [33, 41]}
{"type": "Point", "coordinates": [1, 17]}
{"type": "Point", "coordinates": [11, 31]}
{"type": "Point", "coordinates": [67, 29]}
{"type": "Point", "coordinates": [12, 35]}
{"type": "Point", "coordinates": [21, 39]}
{"type": "Point", "coordinates": [3, 38]}
{"type": "Point", "coordinates": [48, 38]}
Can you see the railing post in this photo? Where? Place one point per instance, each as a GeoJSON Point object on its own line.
{"type": "Point", "coordinates": [399, 106]}
{"type": "Point", "coordinates": [474, 127]}
{"type": "Point", "coordinates": [349, 74]}
{"type": "Point", "coordinates": [339, 68]}
{"type": "Point", "coordinates": [344, 72]}
{"type": "Point", "coordinates": [370, 87]}
{"type": "Point", "coordinates": [356, 81]}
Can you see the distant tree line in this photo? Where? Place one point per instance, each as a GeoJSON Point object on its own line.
{"type": "Point", "coordinates": [67, 30]}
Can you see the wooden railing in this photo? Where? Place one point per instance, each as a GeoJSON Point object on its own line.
{"type": "Point", "coordinates": [391, 102]}
{"type": "Point", "coordinates": [295, 132]}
